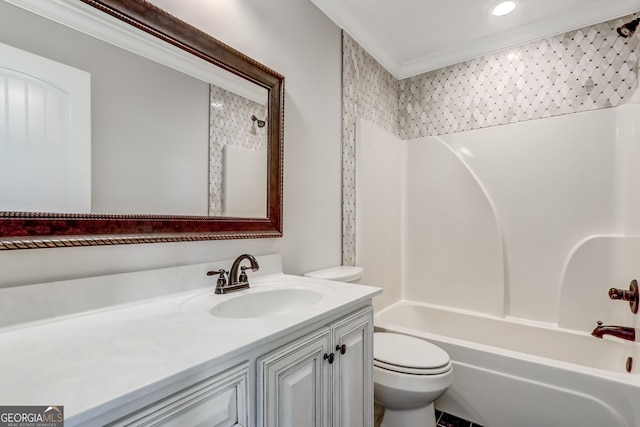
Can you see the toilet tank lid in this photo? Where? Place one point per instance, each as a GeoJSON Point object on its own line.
{"type": "Point", "coordinates": [341, 273]}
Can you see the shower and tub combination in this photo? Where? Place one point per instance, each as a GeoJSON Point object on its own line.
{"type": "Point", "coordinates": [509, 373]}
{"type": "Point", "coordinates": [505, 246]}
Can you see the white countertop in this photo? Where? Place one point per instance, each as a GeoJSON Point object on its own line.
{"type": "Point", "coordinates": [96, 361]}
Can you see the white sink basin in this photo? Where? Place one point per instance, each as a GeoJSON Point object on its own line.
{"type": "Point", "coordinates": [266, 303]}
{"type": "Point", "coordinates": [262, 301]}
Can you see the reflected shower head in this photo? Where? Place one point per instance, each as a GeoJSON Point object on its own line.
{"type": "Point", "coordinates": [628, 29]}
{"type": "Point", "coordinates": [261, 123]}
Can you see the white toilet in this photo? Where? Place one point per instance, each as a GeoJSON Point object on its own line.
{"type": "Point", "coordinates": [408, 373]}
{"type": "Point", "coordinates": [341, 273]}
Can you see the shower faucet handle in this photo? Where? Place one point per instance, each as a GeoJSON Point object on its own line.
{"type": "Point", "coordinates": [631, 296]}
{"type": "Point", "coordinates": [621, 294]}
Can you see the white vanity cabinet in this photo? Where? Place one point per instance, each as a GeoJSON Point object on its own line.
{"type": "Point", "coordinates": [353, 370]}
{"type": "Point", "coordinates": [322, 379]}
{"type": "Point", "coordinates": [162, 356]}
{"type": "Point", "coordinates": [219, 401]}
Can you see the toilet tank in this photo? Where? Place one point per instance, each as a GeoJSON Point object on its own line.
{"type": "Point", "coordinates": [341, 273]}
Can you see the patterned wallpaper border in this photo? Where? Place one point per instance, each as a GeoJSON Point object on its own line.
{"type": "Point", "coordinates": [587, 69]}
{"type": "Point", "coordinates": [582, 70]}
{"type": "Point", "coordinates": [371, 92]}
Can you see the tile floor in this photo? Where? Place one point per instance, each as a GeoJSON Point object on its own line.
{"type": "Point", "coordinates": [443, 419]}
{"type": "Point", "coordinates": [448, 420]}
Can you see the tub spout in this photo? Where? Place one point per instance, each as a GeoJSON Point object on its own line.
{"type": "Point", "coordinates": [622, 332]}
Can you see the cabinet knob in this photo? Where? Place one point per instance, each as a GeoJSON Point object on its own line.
{"type": "Point", "coordinates": [330, 357]}
{"type": "Point", "coordinates": [341, 348]}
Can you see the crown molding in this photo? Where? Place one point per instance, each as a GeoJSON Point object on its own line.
{"type": "Point", "coordinates": [339, 13]}
{"type": "Point", "coordinates": [558, 24]}
{"type": "Point", "coordinates": [591, 14]}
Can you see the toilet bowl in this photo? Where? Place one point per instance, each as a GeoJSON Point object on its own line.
{"type": "Point", "coordinates": [408, 375]}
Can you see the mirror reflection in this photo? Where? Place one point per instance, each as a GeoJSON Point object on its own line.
{"type": "Point", "coordinates": [153, 140]}
{"type": "Point", "coordinates": [238, 155]}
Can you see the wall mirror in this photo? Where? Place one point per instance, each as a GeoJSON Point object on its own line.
{"type": "Point", "coordinates": [182, 139]}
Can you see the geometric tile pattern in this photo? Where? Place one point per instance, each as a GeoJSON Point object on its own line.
{"type": "Point", "coordinates": [230, 123]}
{"type": "Point", "coordinates": [371, 92]}
{"type": "Point", "coordinates": [582, 70]}
{"type": "Point", "coordinates": [587, 69]}
{"type": "Point", "coordinates": [447, 420]}
{"type": "Point", "coordinates": [442, 419]}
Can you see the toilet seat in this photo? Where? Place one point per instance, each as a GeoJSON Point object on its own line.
{"type": "Point", "coordinates": [408, 355]}
{"type": "Point", "coordinates": [412, 371]}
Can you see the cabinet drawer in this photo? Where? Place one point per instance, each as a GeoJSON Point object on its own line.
{"type": "Point", "coordinates": [219, 401]}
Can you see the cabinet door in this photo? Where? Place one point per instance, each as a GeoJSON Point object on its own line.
{"type": "Point", "coordinates": [353, 370]}
{"type": "Point", "coordinates": [293, 384]}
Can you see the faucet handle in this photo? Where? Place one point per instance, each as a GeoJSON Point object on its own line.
{"type": "Point", "coordinates": [631, 296]}
{"type": "Point", "coordinates": [243, 278]}
{"type": "Point", "coordinates": [620, 294]}
{"type": "Point", "coordinates": [599, 322]}
{"type": "Point", "coordinates": [222, 281]}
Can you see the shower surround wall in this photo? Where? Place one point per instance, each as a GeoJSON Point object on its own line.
{"type": "Point", "coordinates": [587, 69]}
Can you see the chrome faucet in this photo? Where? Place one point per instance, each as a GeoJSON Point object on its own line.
{"type": "Point", "coordinates": [236, 281]}
{"type": "Point", "coordinates": [623, 332]}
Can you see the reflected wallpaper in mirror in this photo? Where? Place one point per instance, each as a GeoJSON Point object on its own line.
{"type": "Point", "coordinates": [237, 155]}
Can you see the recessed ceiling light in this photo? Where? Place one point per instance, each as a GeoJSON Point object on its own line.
{"type": "Point", "coordinates": [503, 8]}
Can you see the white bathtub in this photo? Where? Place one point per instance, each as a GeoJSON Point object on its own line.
{"type": "Point", "coordinates": [516, 374]}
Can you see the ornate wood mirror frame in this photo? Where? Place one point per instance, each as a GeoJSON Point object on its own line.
{"type": "Point", "coordinates": [27, 230]}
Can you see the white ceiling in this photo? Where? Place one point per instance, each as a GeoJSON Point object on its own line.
{"type": "Point", "coordinates": [410, 37]}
